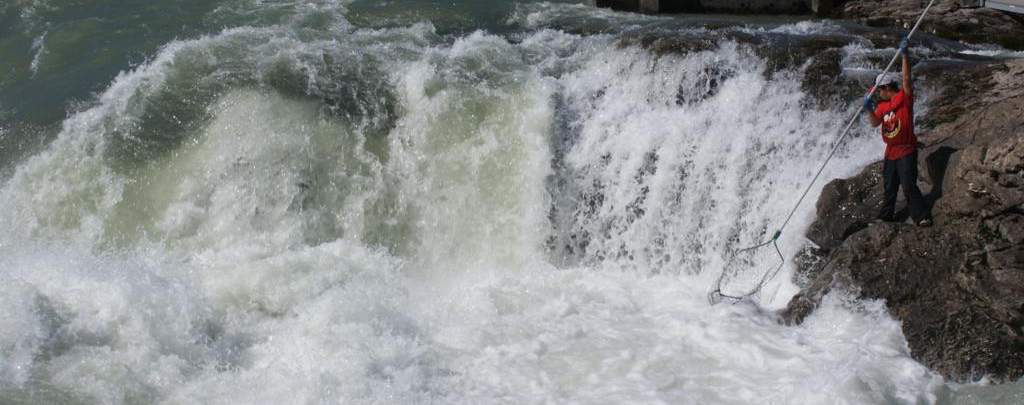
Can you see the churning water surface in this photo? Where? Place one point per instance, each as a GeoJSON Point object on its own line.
{"type": "Point", "coordinates": [415, 201]}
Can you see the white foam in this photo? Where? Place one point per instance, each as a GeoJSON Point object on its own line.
{"type": "Point", "coordinates": [39, 50]}
{"type": "Point", "coordinates": [275, 257]}
{"type": "Point", "coordinates": [104, 327]}
{"type": "Point", "coordinates": [808, 28]}
{"type": "Point", "coordinates": [995, 53]}
{"type": "Point", "coordinates": [594, 337]}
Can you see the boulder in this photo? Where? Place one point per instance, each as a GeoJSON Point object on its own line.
{"type": "Point", "coordinates": [973, 120]}
{"type": "Point", "coordinates": [847, 206]}
{"type": "Point", "coordinates": [988, 180]}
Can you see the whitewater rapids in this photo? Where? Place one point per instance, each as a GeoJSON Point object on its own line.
{"type": "Point", "coordinates": [312, 212]}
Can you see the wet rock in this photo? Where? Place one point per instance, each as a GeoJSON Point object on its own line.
{"type": "Point", "coordinates": [847, 206]}
{"type": "Point", "coordinates": [715, 6]}
{"type": "Point", "coordinates": [755, 6]}
{"type": "Point", "coordinates": [960, 309]}
{"type": "Point", "coordinates": [818, 56]}
{"type": "Point", "coordinates": [785, 50]}
{"type": "Point", "coordinates": [668, 44]}
{"type": "Point", "coordinates": [684, 42]}
{"type": "Point", "coordinates": [809, 262]}
{"type": "Point", "coordinates": [957, 288]}
{"type": "Point", "coordinates": [947, 19]}
{"type": "Point", "coordinates": [825, 82]}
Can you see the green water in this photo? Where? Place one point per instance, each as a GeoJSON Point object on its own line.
{"type": "Point", "coordinates": [87, 42]}
{"type": "Point", "coordinates": [55, 55]}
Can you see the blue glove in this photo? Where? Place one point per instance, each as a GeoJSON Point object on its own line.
{"type": "Point", "coordinates": [903, 45]}
{"type": "Point", "coordinates": [869, 104]}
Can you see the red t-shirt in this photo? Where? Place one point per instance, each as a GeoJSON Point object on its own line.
{"type": "Point", "coordinates": [897, 116]}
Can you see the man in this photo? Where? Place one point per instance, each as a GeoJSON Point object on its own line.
{"type": "Point", "coordinates": [895, 113]}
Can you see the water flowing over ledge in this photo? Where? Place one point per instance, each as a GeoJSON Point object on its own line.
{"type": "Point", "coordinates": [317, 206]}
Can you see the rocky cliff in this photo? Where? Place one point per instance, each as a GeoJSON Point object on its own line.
{"type": "Point", "coordinates": [958, 287]}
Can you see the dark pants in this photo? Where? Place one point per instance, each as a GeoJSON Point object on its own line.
{"type": "Point", "coordinates": [902, 173]}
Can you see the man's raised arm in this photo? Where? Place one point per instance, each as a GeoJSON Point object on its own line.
{"type": "Point", "coordinates": [908, 84]}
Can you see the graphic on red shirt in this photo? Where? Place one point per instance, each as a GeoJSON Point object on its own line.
{"type": "Point", "coordinates": [891, 125]}
{"type": "Point", "coordinates": [897, 115]}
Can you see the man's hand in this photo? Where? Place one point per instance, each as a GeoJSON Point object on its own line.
{"type": "Point", "coordinates": [869, 104]}
{"type": "Point", "coordinates": [904, 46]}
{"type": "Point", "coordinates": [869, 107]}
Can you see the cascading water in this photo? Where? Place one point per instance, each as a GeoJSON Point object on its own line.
{"type": "Point", "coordinates": [303, 209]}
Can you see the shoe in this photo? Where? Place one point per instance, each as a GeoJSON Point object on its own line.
{"type": "Point", "coordinates": [924, 223]}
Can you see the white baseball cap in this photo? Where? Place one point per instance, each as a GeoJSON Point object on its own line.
{"type": "Point", "coordinates": [887, 79]}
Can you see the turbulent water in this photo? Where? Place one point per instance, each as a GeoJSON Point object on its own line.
{"type": "Point", "coordinates": [417, 202]}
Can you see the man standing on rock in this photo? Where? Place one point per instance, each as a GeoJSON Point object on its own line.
{"type": "Point", "coordinates": [895, 113]}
